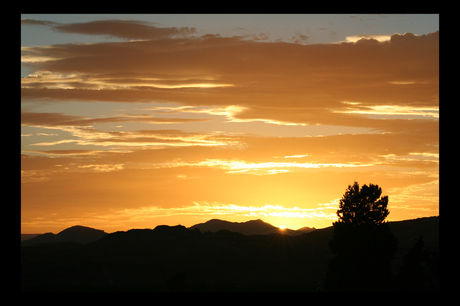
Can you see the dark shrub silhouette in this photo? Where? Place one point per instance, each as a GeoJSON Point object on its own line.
{"type": "Point", "coordinates": [420, 269]}
{"type": "Point", "coordinates": [363, 244]}
{"type": "Point", "coordinates": [177, 283]}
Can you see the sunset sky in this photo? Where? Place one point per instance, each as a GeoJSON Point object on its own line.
{"type": "Point", "coordinates": [132, 121]}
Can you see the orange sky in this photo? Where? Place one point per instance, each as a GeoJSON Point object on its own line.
{"type": "Point", "coordinates": [159, 125]}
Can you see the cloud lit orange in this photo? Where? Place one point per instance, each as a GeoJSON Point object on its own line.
{"type": "Point", "coordinates": [163, 125]}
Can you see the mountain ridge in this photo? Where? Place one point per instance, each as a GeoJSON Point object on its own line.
{"type": "Point", "coordinates": [77, 233]}
{"type": "Point", "coordinates": [176, 258]}
{"type": "Point", "coordinates": [84, 235]}
{"type": "Point", "coordinates": [251, 227]}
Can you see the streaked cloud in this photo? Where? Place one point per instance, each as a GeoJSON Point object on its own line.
{"type": "Point", "coordinates": [137, 139]}
{"type": "Point", "coordinates": [296, 156]}
{"type": "Point", "coordinates": [235, 166]}
{"type": "Point", "coordinates": [47, 79]}
{"type": "Point", "coordinates": [103, 167]}
{"type": "Point", "coordinates": [392, 110]}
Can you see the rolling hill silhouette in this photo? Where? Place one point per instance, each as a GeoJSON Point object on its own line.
{"type": "Point", "coordinates": [77, 233]}
{"type": "Point", "coordinates": [252, 227]}
{"type": "Point", "coordinates": [28, 236]}
{"type": "Point", "coordinates": [176, 258]}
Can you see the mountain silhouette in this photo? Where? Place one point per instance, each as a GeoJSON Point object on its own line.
{"type": "Point", "coordinates": [28, 236]}
{"type": "Point", "coordinates": [77, 233]}
{"type": "Point", "coordinates": [305, 229]}
{"type": "Point", "coordinates": [176, 258]}
{"type": "Point", "coordinates": [408, 231]}
{"type": "Point", "coordinates": [252, 227]}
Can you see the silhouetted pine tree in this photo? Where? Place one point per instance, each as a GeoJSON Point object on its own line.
{"type": "Point", "coordinates": [362, 243]}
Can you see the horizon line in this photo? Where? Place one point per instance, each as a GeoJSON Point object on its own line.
{"type": "Point", "coordinates": [285, 228]}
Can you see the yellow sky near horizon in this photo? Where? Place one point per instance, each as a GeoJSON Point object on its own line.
{"type": "Point", "coordinates": [163, 126]}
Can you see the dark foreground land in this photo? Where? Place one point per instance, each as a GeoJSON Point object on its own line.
{"type": "Point", "coordinates": [179, 259]}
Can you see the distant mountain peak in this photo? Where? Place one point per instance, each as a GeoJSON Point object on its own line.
{"type": "Point", "coordinates": [78, 228]}
{"type": "Point", "coordinates": [252, 221]}
{"type": "Point", "coordinates": [170, 230]}
{"type": "Point", "coordinates": [260, 221]}
{"type": "Point", "coordinates": [77, 233]}
{"type": "Point", "coordinates": [251, 227]}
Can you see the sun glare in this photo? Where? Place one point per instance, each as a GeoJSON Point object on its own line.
{"type": "Point", "coordinates": [282, 227]}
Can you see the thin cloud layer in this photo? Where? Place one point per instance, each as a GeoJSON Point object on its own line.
{"type": "Point", "coordinates": [59, 119]}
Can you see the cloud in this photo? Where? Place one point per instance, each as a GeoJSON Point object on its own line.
{"type": "Point", "coordinates": [148, 215]}
{"type": "Point", "coordinates": [60, 119]}
{"type": "Point", "coordinates": [392, 110]}
{"type": "Point", "coordinates": [103, 167]}
{"type": "Point", "coordinates": [73, 152]}
{"type": "Point", "coordinates": [273, 81]}
{"type": "Point", "coordinates": [154, 179]}
{"type": "Point", "coordinates": [323, 212]}
{"type": "Point", "coordinates": [125, 29]}
{"type": "Point", "coordinates": [51, 119]}
{"type": "Point", "coordinates": [252, 154]}
{"type": "Point", "coordinates": [82, 131]}
{"type": "Point", "coordinates": [368, 37]}
{"type": "Point", "coordinates": [299, 38]}
{"type": "Point", "coordinates": [239, 166]}
{"type": "Point", "coordinates": [173, 149]}
{"type": "Point", "coordinates": [25, 21]}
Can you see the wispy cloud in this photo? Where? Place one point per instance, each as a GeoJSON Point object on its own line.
{"type": "Point", "coordinates": [122, 28]}
{"type": "Point", "coordinates": [137, 139]}
{"type": "Point", "coordinates": [392, 110]}
{"type": "Point", "coordinates": [49, 80]}
{"type": "Point", "coordinates": [236, 166]}
{"type": "Point", "coordinates": [103, 167]}
{"type": "Point", "coordinates": [83, 134]}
